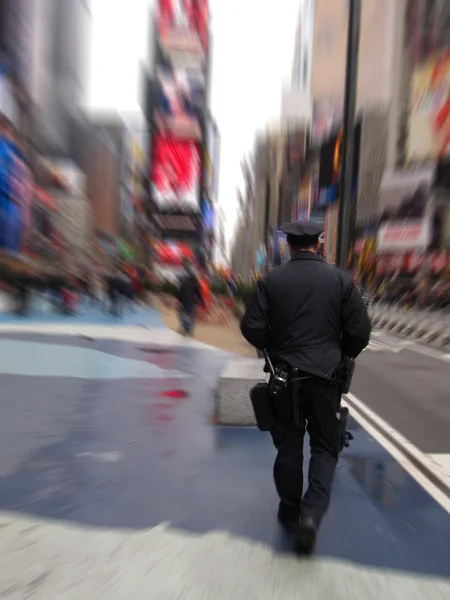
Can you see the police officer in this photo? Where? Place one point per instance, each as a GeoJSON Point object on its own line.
{"type": "Point", "coordinates": [308, 315]}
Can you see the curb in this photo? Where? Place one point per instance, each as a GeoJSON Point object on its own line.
{"type": "Point", "coordinates": [414, 458]}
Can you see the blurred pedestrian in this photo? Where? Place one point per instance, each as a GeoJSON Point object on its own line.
{"type": "Point", "coordinates": [189, 296]}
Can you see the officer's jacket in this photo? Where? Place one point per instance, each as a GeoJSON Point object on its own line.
{"type": "Point", "coordinates": [309, 314]}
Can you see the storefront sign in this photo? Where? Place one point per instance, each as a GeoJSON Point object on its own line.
{"type": "Point", "coordinates": [404, 236]}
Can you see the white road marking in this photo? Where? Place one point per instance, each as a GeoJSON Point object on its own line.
{"type": "Point", "coordinates": [442, 462]}
{"type": "Point", "coordinates": [379, 345]}
{"type": "Point", "coordinates": [107, 457]}
{"type": "Point", "coordinates": [427, 461]}
{"type": "Point", "coordinates": [412, 346]}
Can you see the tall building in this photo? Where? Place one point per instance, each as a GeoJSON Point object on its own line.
{"type": "Point", "coordinates": [403, 71]}
{"type": "Point", "coordinates": [61, 53]}
{"type": "Point", "coordinates": [262, 210]}
{"type": "Point", "coordinates": [301, 67]}
{"type": "Point", "coordinates": [321, 53]}
{"type": "Point", "coordinates": [103, 177]}
{"type": "Point", "coordinates": [61, 41]}
{"type": "Point", "coordinates": [379, 29]}
{"type": "Point", "coordinates": [179, 121]}
{"type": "Point", "coordinates": [16, 52]}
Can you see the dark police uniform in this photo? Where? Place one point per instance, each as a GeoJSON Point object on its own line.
{"type": "Point", "coordinates": [309, 315]}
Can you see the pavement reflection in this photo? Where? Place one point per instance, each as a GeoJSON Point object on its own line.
{"type": "Point", "coordinates": [133, 453]}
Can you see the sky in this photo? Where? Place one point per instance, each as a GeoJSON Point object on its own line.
{"type": "Point", "coordinates": [253, 49]}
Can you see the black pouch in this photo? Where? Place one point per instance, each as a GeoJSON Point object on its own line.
{"type": "Point", "coordinates": [262, 406]}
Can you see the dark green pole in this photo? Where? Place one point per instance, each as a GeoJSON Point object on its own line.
{"type": "Point", "coordinates": [346, 202]}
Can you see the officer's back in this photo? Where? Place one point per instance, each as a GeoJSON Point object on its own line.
{"type": "Point", "coordinates": [315, 315]}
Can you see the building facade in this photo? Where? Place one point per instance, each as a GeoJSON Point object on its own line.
{"type": "Point", "coordinates": [60, 70]}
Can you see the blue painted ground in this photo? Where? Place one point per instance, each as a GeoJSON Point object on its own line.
{"type": "Point", "coordinates": [86, 315]}
{"type": "Point", "coordinates": [131, 452]}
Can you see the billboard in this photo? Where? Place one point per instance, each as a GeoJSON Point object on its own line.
{"type": "Point", "coordinates": [176, 172]}
{"type": "Point", "coordinates": [181, 100]}
{"type": "Point", "coordinates": [429, 113]}
{"type": "Point", "coordinates": [406, 209]}
{"type": "Point", "coordinates": [183, 25]}
{"type": "Point", "coordinates": [405, 194]}
{"type": "Point", "coordinates": [16, 193]}
{"type": "Point", "coordinates": [405, 235]}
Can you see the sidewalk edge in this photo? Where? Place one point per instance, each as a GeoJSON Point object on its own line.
{"type": "Point", "coordinates": [417, 458]}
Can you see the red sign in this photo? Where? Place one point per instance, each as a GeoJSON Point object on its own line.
{"type": "Point", "coordinates": [173, 253]}
{"type": "Point", "coordinates": [183, 24]}
{"type": "Point", "coordinates": [176, 171]}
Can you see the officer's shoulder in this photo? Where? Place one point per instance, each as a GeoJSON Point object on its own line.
{"type": "Point", "coordinates": [276, 272]}
{"type": "Point", "coordinates": [345, 279]}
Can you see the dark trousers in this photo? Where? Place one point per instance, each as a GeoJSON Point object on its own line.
{"type": "Point", "coordinates": [187, 317]}
{"type": "Point", "coordinates": [319, 403]}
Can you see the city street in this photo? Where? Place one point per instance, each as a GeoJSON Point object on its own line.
{"type": "Point", "coordinates": [115, 483]}
{"type": "Point", "coordinates": [408, 385]}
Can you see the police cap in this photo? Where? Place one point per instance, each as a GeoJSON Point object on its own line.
{"type": "Point", "coordinates": [303, 232]}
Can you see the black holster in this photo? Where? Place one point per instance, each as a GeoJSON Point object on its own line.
{"type": "Point", "coordinates": [262, 406]}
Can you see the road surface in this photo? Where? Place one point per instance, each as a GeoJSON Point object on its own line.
{"type": "Point", "coordinates": [114, 483]}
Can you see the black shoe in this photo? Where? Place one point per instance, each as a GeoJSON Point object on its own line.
{"type": "Point", "coordinates": [288, 518]}
{"type": "Point", "coordinates": [305, 536]}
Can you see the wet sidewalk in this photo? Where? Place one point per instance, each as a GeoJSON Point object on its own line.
{"type": "Point", "coordinates": [115, 484]}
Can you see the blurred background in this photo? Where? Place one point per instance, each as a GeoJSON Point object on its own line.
{"type": "Point", "coordinates": [111, 153]}
{"type": "Point", "coordinates": [141, 136]}
{"type": "Point", "coordinates": [399, 235]}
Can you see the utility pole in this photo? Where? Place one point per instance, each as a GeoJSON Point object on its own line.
{"type": "Point", "coordinates": [347, 201]}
